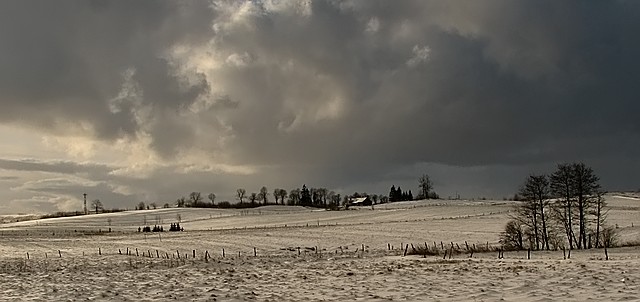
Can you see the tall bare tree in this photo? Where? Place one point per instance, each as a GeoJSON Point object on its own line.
{"type": "Point", "coordinates": [295, 196]}
{"type": "Point", "coordinates": [600, 212]}
{"type": "Point", "coordinates": [283, 194]}
{"type": "Point", "coordinates": [536, 199]}
{"type": "Point", "coordinates": [97, 204]}
{"type": "Point", "coordinates": [253, 197]}
{"type": "Point", "coordinates": [180, 202]}
{"type": "Point", "coordinates": [563, 188]}
{"type": "Point", "coordinates": [587, 188]}
{"type": "Point", "coordinates": [241, 194]}
{"type": "Point", "coordinates": [577, 190]}
{"type": "Point", "coordinates": [212, 197]}
{"type": "Point", "coordinates": [195, 198]}
{"type": "Point", "coordinates": [425, 184]}
{"type": "Point", "coordinates": [264, 195]}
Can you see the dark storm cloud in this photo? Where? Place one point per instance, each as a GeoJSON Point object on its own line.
{"type": "Point", "coordinates": [337, 93]}
{"type": "Point", "coordinates": [458, 83]}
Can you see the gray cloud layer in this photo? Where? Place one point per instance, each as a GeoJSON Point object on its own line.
{"type": "Point", "coordinates": [343, 93]}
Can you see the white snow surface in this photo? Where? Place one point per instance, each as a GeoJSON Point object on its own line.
{"type": "Point", "coordinates": [284, 253]}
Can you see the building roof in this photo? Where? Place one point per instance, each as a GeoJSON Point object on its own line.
{"type": "Point", "coordinates": [359, 200]}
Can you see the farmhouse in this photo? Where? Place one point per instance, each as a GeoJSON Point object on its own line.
{"type": "Point", "coordinates": [361, 201]}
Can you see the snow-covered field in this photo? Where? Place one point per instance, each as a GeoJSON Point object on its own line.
{"type": "Point", "coordinates": [76, 258]}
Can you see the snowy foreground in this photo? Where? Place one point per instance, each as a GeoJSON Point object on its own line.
{"type": "Point", "coordinates": [279, 253]}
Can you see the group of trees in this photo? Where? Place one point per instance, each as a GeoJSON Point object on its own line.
{"type": "Point", "coordinates": [426, 191]}
{"type": "Point", "coordinates": [305, 196]}
{"type": "Point", "coordinates": [564, 208]}
{"type": "Point", "coordinates": [396, 194]}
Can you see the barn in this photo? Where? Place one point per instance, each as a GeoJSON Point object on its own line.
{"type": "Point", "coordinates": [361, 201]}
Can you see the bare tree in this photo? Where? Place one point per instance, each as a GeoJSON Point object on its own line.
{"type": "Point", "coordinates": [513, 236]}
{"type": "Point", "coordinates": [276, 194]}
{"type": "Point", "coordinates": [253, 197]}
{"type": "Point", "coordinates": [335, 199]}
{"type": "Point", "coordinates": [322, 195]}
{"type": "Point", "coordinates": [294, 197]}
{"type": "Point", "coordinates": [283, 194]}
{"type": "Point", "coordinates": [212, 197]}
{"type": "Point", "coordinates": [600, 212]}
{"type": "Point", "coordinates": [587, 187]}
{"type": "Point", "coordinates": [180, 202]}
{"type": "Point", "coordinates": [425, 184]}
{"type": "Point", "coordinates": [240, 194]}
{"type": "Point", "coordinates": [141, 205]}
{"type": "Point", "coordinates": [97, 204]}
{"type": "Point", "coordinates": [195, 198]}
{"type": "Point", "coordinates": [264, 195]}
{"type": "Point", "coordinates": [562, 187]}
{"type": "Point", "coordinates": [153, 205]}
{"type": "Point", "coordinates": [535, 195]}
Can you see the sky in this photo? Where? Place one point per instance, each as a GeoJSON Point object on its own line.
{"type": "Point", "coordinates": [131, 101]}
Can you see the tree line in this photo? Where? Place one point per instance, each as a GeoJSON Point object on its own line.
{"type": "Point", "coordinates": [304, 196]}
{"type": "Point", "coordinates": [564, 209]}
